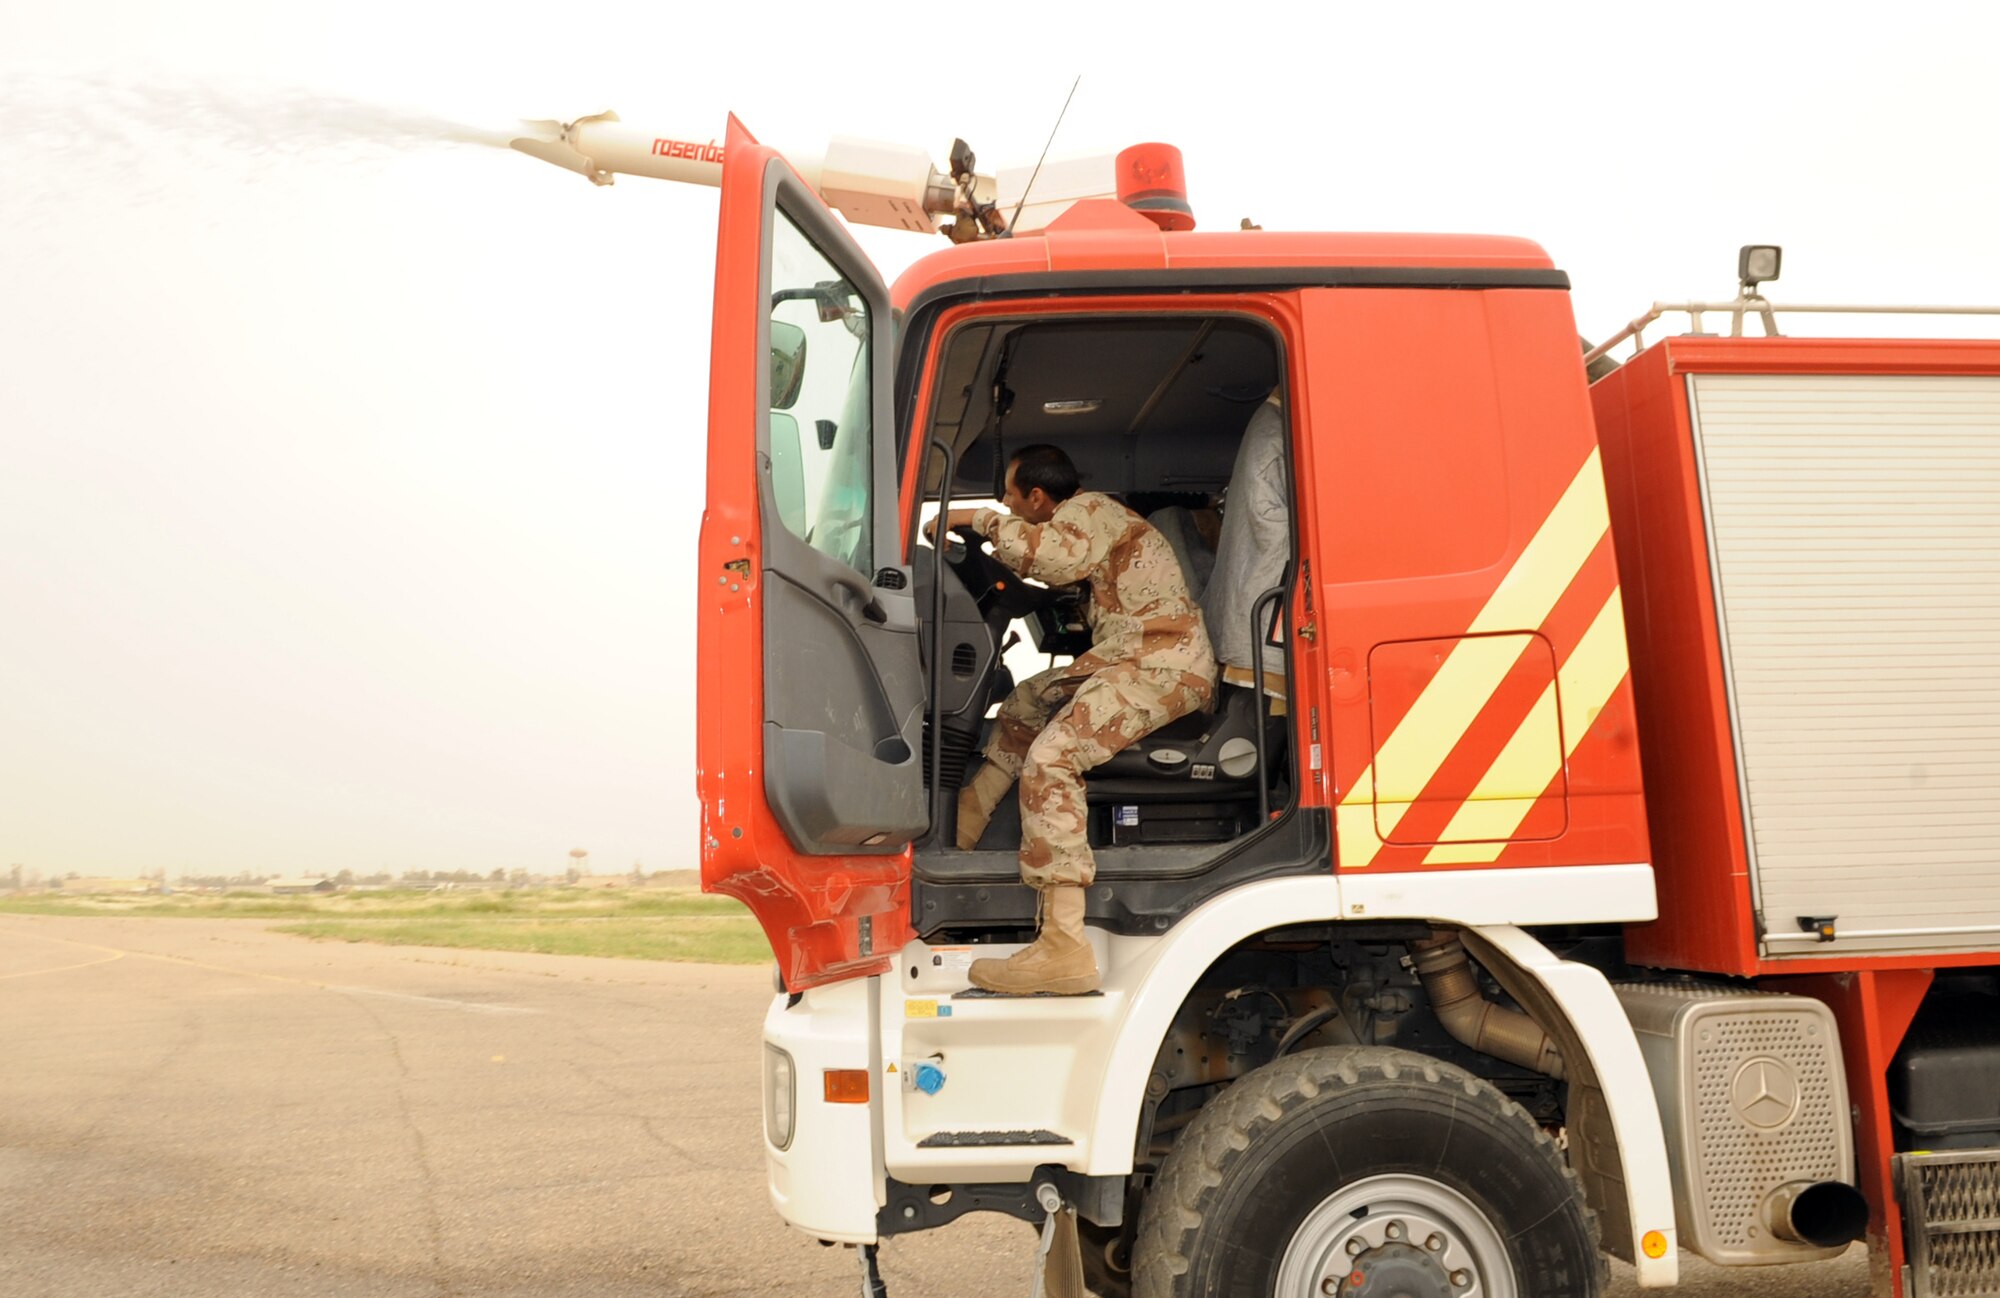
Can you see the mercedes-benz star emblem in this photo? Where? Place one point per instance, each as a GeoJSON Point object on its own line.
{"type": "Point", "coordinates": [1766, 1092]}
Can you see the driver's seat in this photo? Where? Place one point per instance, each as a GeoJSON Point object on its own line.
{"type": "Point", "coordinates": [1215, 751]}
{"type": "Point", "coordinates": [1214, 756]}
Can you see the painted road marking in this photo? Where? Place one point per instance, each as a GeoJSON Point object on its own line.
{"type": "Point", "coordinates": [36, 973]}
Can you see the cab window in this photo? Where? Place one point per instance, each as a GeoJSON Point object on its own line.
{"type": "Point", "coordinates": [821, 440]}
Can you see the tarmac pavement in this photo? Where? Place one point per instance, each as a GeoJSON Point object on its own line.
{"type": "Point", "coordinates": [206, 1108]}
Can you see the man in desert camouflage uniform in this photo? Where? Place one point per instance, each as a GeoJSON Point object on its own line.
{"type": "Point", "coordinates": [1149, 662]}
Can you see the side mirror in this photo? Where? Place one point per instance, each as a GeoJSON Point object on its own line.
{"type": "Point", "coordinates": [834, 298]}
{"type": "Point", "coordinates": [788, 366]}
{"type": "Point", "coordinates": [788, 473]}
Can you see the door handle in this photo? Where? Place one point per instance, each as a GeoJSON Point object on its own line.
{"type": "Point", "coordinates": [857, 585]}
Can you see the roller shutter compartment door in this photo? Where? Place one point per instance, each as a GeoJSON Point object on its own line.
{"type": "Point", "coordinates": [1854, 531]}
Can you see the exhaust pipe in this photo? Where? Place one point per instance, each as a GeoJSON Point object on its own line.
{"type": "Point", "coordinates": [1823, 1214]}
{"type": "Point", "coordinates": [1446, 973]}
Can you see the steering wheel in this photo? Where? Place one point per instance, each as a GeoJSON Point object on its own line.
{"type": "Point", "coordinates": [983, 575]}
{"type": "Point", "coordinates": [995, 588]}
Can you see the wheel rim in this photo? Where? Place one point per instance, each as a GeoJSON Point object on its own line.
{"type": "Point", "coordinates": [1413, 1221]}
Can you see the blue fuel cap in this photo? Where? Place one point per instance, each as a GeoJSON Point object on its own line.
{"type": "Point", "coordinates": [928, 1078]}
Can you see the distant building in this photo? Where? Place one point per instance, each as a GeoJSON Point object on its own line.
{"type": "Point", "coordinates": [298, 887]}
{"type": "Point", "coordinates": [108, 885]}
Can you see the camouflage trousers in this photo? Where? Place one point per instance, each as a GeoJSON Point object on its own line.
{"type": "Point", "coordinates": [1055, 726]}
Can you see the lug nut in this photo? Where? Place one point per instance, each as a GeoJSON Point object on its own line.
{"type": "Point", "coordinates": [1330, 1286]}
{"type": "Point", "coordinates": [1435, 1243]}
{"type": "Point", "coordinates": [1356, 1246]}
{"type": "Point", "coordinates": [1461, 1279]}
{"type": "Point", "coordinates": [1394, 1230]}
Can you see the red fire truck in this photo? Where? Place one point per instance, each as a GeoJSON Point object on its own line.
{"type": "Point", "coordinates": [1600, 854]}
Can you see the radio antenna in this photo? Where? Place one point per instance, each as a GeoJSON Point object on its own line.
{"type": "Point", "coordinates": [1029, 187]}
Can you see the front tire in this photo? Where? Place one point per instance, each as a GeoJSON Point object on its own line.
{"type": "Point", "coordinates": [1356, 1170]}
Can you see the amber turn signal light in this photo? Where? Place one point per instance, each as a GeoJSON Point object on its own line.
{"type": "Point", "coordinates": [847, 1086]}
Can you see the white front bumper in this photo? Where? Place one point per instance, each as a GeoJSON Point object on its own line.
{"type": "Point", "coordinates": [828, 1181]}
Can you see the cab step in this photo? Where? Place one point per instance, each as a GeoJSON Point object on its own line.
{"type": "Point", "coordinates": [971, 1139]}
{"type": "Point", "coordinates": [1951, 1211]}
{"type": "Point", "coordinates": [981, 994]}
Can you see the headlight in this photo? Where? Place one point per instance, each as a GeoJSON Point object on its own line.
{"type": "Point", "coordinates": [780, 1096]}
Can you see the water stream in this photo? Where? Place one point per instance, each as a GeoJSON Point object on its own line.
{"type": "Point", "coordinates": [84, 121]}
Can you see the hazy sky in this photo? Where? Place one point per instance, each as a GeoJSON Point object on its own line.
{"type": "Point", "coordinates": [350, 472]}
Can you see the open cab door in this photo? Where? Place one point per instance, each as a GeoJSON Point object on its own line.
{"type": "Point", "coordinates": [810, 698]}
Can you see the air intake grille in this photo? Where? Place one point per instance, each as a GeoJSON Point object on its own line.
{"type": "Point", "coordinates": [964, 661]}
{"type": "Point", "coordinates": [1741, 1160]}
{"type": "Point", "coordinates": [1951, 1202]}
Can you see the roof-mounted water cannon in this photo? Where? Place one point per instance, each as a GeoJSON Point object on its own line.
{"type": "Point", "coordinates": [599, 147]}
{"type": "Point", "coordinates": [978, 216]}
{"type": "Point", "coordinates": [868, 182]}
{"type": "Point", "coordinates": [889, 185]}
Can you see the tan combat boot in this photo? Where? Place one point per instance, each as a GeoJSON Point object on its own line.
{"type": "Point", "coordinates": [1058, 963]}
{"type": "Point", "coordinates": [978, 801]}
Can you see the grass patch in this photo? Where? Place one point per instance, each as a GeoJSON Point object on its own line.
{"type": "Point", "coordinates": [395, 903]}
{"type": "Point", "coordinates": [718, 940]}
{"type": "Point", "coordinates": [637, 924]}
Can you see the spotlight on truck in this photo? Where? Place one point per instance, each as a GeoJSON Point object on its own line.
{"type": "Point", "coordinates": [1756, 263]}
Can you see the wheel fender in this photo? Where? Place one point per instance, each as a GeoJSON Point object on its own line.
{"type": "Point", "coordinates": [1157, 973]}
{"type": "Point", "coordinates": [1616, 1141]}
{"type": "Point", "coordinates": [1619, 1147]}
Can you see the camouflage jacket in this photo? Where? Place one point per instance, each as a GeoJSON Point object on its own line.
{"type": "Point", "coordinates": [1140, 611]}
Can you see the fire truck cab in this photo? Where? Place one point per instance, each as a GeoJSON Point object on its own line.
{"type": "Point", "coordinates": [1368, 1022]}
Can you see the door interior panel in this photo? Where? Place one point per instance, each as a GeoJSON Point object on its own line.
{"type": "Point", "coordinates": [837, 722]}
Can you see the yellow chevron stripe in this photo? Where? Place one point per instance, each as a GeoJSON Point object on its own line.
{"type": "Point", "coordinates": [1464, 682]}
{"type": "Point", "coordinates": [1473, 670]}
{"type": "Point", "coordinates": [1354, 831]}
{"type": "Point", "coordinates": [1552, 560]}
{"type": "Point", "coordinates": [1511, 786]}
{"type": "Point", "coordinates": [1496, 808]}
